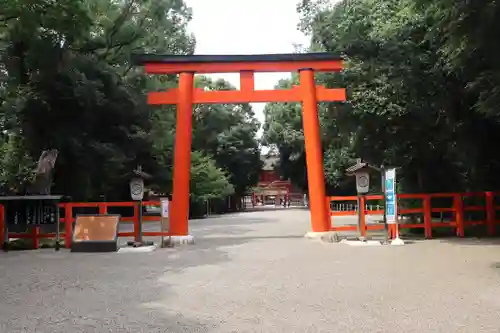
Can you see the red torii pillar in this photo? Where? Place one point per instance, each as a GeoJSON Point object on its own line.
{"type": "Point", "coordinates": [186, 95]}
{"type": "Point", "coordinates": [182, 156]}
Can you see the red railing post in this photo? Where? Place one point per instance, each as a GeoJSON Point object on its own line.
{"type": "Point", "coordinates": [136, 223]}
{"type": "Point", "coordinates": [362, 215]}
{"type": "Point", "coordinates": [103, 208]}
{"type": "Point", "coordinates": [2, 223]}
{"type": "Point", "coordinates": [329, 210]}
{"type": "Point", "coordinates": [459, 214]}
{"type": "Point", "coordinates": [35, 231]}
{"type": "Point", "coordinates": [427, 216]}
{"type": "Point", "coordinates": [392, 230]}
{"type": "Point", "coordinates": [490, 213]}
{"type": "Point", "coordinates": [68, 224]}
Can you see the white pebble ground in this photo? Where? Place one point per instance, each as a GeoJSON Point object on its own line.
{"type": "Point", "coordinates": [254, 272]}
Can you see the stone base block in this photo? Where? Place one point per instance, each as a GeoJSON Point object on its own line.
{"type": "Point", "coordinates": [327, 236]}
{"type": "Point", "coordinates": [361, 242]}
{"type": "Point", "coordinates": [397, 242]}
{"type": "Point", "coordinates": [139, 249]}
{"type": "Point", "coordinates": [172, 241]}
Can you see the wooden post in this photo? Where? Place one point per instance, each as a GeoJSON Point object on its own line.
{"type": "Point", "coordinates": [426, 205]}
{"type": "Point", "coordinates": [362, 215]}
{"type": "Point", "coordinates": [103, 209]}
{"type": "Point", "coordinates": [329, 210]}
{"type": "Point", "coordinates": [2, 223]}
{"type": "Point", "coordinates": [68, 225]}
{"type": "Point", "coordinates": [137, 226]}
{"type": "Point", "coordinates": [459, 215]}
{"type": "Point", "coordinates": [35, 231]}
{"type": "Point", "coordinates": [490, 213]}
{"type": "Point", "coordinates": [394, 230]}
{"type": "Point", "coordinates": [182, 156]}
{"type": "Point", "coordinates": [314, 154]}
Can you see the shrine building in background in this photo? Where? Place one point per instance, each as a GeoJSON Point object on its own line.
{"type": "Point", "coordinates": [271, 188]}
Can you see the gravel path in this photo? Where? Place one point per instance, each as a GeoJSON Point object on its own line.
{"type": "Point", "coordinates": [254, 272]}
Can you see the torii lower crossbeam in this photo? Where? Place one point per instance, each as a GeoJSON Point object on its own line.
{"type": "Point", "coordinates": [186, 95]}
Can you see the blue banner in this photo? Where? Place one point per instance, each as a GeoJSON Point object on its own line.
{"type": "Point", "coordinates": [390, 196]}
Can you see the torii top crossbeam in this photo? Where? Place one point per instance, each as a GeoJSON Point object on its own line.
{"type": "Point", "coordinates": [209, 64]}
{"type": "Point", "coordinates": [246, 65]}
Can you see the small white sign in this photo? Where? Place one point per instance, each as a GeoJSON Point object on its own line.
{"type": "Point", "coordinates": [137, 189]}
{"type": "Point", "coordinates": [391, 209]}
{"type": "Point", "coordinates": [164, 207]}
{"type": "Point", "coordinates": [362, 182]}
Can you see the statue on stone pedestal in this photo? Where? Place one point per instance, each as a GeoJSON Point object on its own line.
{"type": "Point", "coordinates": [44, 172]}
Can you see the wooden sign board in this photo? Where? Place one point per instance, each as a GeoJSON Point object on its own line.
{"type": "Point", "coordinates": [95, 233]}
{"type": "Point", "coordinates": [362, 182]}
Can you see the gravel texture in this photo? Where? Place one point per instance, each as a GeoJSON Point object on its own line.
{"type": "Point", "coordinates": [254, 272]}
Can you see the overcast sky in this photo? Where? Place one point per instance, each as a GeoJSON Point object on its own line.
{"type": "Point", "coordinates": [246, 27]}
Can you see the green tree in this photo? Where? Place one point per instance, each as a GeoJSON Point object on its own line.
{"type": "Point", "coordinates": [420, 89]}
{"type": "Point", "coordinates": [67, 82]}
{"type": "Point", "coordinates": [59, 93]}
{"type": "Point", "coordinates": [283, 129]}
{"type": "Point", "coordinates": [207, 180]}
{"type": "Point", "coordinates": [227, 133]}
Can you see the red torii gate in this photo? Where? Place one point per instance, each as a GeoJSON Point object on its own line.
{"type": "Point", "coordinates": [246, 65]}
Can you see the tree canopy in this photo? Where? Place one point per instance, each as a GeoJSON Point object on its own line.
{"type": "Point", "coordinates": [67, 83]}
{"type": "Point", "coordinates": [422, 80]}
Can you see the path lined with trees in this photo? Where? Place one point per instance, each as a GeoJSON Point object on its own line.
{"type": "Point", "coordinates": [423, 95]}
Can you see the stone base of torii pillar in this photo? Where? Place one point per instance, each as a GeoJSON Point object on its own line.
{"type": "Point", "coordinates": [172, 241]}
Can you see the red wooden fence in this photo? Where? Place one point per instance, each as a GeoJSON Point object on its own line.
{"type": "Point", "coordinates": [68, 218]}
{"type": "Point", "coordinates": [457, 211]}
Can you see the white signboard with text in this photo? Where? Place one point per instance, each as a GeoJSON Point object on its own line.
{"type": "Point", "coordinates": [165, 218]}
{"type": "Point", "coordinates": [164, 207]}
